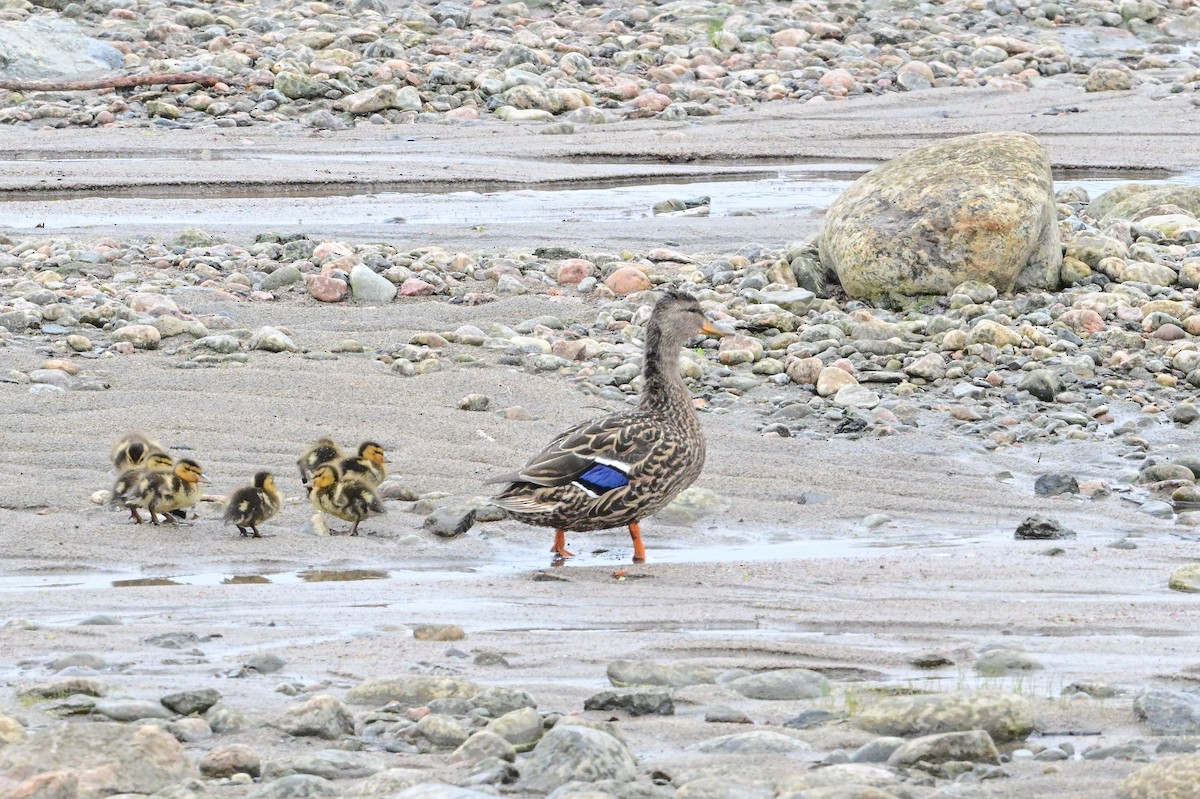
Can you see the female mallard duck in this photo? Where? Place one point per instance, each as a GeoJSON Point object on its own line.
{"type": "Point", "coordinates": [251, 506]}
{"type": "Point", "coordinates": [622, 468]}
{"type": "Point", "coordinates": [321, 452]}
{"type": "Point", "coordinates": [154, 462]}
{"type": "Point", "coordinates": [349, 500]}
{"type": "Point", "coordinates": [164, 492]}
{"type": "Point", "coordinates": [369, 466]}
{"type": "Point", "coordinates": [131, 451]}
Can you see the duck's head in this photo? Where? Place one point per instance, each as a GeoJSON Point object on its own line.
{"type": "Point", "coordinates": [324, 477]}
{"type": "Point", "coordinates": [160, 462]}
{"type": "Point", "coordinates": [190, 472]}
{"type": "Point", "coordinates": [265, 481]}
{"type": "Point", "coordinates": [679, 317]}
{"type": "Point", "coordinates": [372, 452]}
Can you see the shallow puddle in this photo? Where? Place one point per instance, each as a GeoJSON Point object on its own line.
{"type": "Point", "coordinates": [776, 551]}
{"type": "Point", "coordinates": [791, 190]}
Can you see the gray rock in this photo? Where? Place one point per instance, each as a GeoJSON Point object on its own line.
{"type": "Point", "coordinates": [79, 660]}
{"type": "Point", "coordinates": [270, 339]}
{"type": "Point", "coordinates": [860, 780]}
{"type": "Point", "coordinates": [753, 743]}
{"type": "Point", "coordinates": [813, 717]}
{"type": "Point", "coordinates": [411, 690]}
{"type": "Point", "coordinates": [998, 662]}
{"type": "Point", "coordinates": [635, 702]}
{"type": "Point", "coordinates": [47, 48]}
{"type": "Point", "coordinates": [331, 764]}
{"type": "Point", "coordinates": [1039, 528]}
{"type": "Point", "coordinates": [450, 521]}
{"type": "Point", "coordinates": [174, 640]}
{"type": "Point", "coordinates": [220, 343]}
{"type": "Point", "coordinates": [570, 753]}
{"type": "Point", "coordinates": [903, 226]}
{"type": "Point", "coordinates": [100, 619]}
{"type": "Point", "coordinates": [1168, 712]}
{"type": "Point", "coordinates": [131, 710]}
{"type": "Point", "coordinates": [928, 367]}
{"type": "Point", "coordinates": [388, 783]}
{"type": "Point", "coordinates": [442, 730]}
{"type": "Point", "coordinates": [474, 402]}
{"type": "Point", "coordinates": [297, 786]}
{"type": "Point", "coordinates": [1051, 485]}
{"type": "Point", "coordinates": [226, 761]}
{"type": "Point", "coordinates": [224, 719]}
{"type": "Point", "coordinates": [322, 716]}
{"type": "Point", "coordinates": [1006, 717]}
{"type": "Point", "coordinates": [1041, 383]}
{"type": "Point", "coordinates": [59, 689]}
{"type": "Point", "coordinates": [282, 277]}
{"type": "Point", "coordinates": [120, 758]}
{"type": "Point", "coordinates": [782, 684]}
{"type": "Point", "coordinates": [369, 286]}
{"type": "Point", "coordinates": [522, 728]}
{"type": "Point", "coordinates": [482, 745]}
{"type": "Point", "coordinates": [185, 703]}
{"type": "Point", "coordinates": [500, 699]}
{"type": "Point", "coordinates": [974, 746]}
{"type": "Point", "coordinates": [876, 751]}
{"type": "Point", "coordinates": [264, 663]}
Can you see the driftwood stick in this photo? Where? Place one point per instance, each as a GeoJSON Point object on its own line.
{"type": "Point", "coordinates": [117, 82]}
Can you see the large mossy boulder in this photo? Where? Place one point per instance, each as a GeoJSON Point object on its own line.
{"type": "Point", "coordinates": [970, 208]}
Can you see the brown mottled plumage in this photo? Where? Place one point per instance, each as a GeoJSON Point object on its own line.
{"type": "Point", "coordinates": [349, 500]}
{"type": "Point", "coordinates": [622, 468]}
{"type": "Point", "coordinates": [369, 466]}
{"type": "Point", "coordinates": [128, 479]}
{"type": "Point", "coordinates": [321, 452]}
{"type": "Point", "coordinates": [251, 506]}
{"type": "Point", "coordinates": [164, 492]}
{"type": "Point", "coordinates": [132, 450]}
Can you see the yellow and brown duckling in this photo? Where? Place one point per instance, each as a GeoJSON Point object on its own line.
{"type": "Point", "coordinates": [251, 506]}
{"type": "Point", "coordinates": [619, 469]}
{"type": "Point", "coordinates": [369, 466]}
{"type": "Point", "coordinates": [164, 492]}
{"type": "Point", "coordinates": [132, 450]}
{"type": "Point", "coordinates": [349, 500]}
{"type": "Point", "coordinates": [323, 451]}
{"type": "Point", "coordinates": [128, 479]}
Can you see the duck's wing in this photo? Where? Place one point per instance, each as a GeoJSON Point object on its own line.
{"type": "Point", "coordinates": [599, 456]}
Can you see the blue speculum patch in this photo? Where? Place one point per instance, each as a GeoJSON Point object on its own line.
{"type": "Point", "coordinates": [601, 478]}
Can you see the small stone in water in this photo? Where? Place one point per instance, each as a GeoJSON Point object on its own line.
{"type": "Point", "coordinates": [1039, 528]}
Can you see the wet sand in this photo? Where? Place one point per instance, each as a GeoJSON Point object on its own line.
{"type": "Point", "coordinates": [787, 576]}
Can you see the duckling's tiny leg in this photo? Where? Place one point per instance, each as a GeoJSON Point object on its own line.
{"type": "Point", "coordinates": [136, 516]}
{"type": "Point", "coordinates": [354, 529]}
{"type": "Point", "coordinates": [153, 518]}
{"type": "Point", "coordinates": [170, 519]}
{"type": "Point", "coordinates": [560, 544]}
{"type": "Point", "coordinates": [241, 530]}
{"type": "Point", "coordinates": [639, 550]}
{"type": "Point", "coordinates": [257, 534]}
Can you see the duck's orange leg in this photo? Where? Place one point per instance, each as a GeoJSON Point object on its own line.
{"type": "Point", "coordinates": [560, 545]}
{"type": "Point", "coordinates": [639, 549]}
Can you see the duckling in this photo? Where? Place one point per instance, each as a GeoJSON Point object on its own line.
{"type": "Point", "coordinates": [253, 505]}
{"type": "Point", "coordinates": [369, 466]}
{"type": "Point", "coordinates": [163, 492]}
{"type": "Point", "coordinates": [321, 452]}
{"type": "Point", "coordinates": [350, 500]}
{"type": "Point", "coordinates": [154, 462]}
{"type": "Point", "coordinates": [132, 450]}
